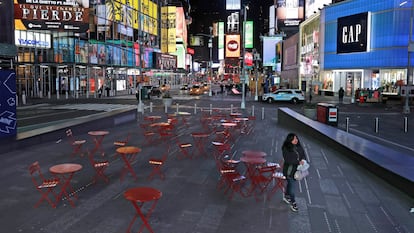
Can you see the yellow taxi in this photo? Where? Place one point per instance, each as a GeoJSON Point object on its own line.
{"type": "Point", "coordinates": [165, 87]}
{"type": "Point", "coordinates": [196, 90]}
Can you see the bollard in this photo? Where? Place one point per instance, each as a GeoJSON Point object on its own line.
{"type": "Point", "coordinates": [231, 108]}
{"type": "Point", "coordinates": [151, 106]}
{"type": "Point", "coordinates": [23, 98]}
{"type": "Point", "coordinates": [165, 108]}
{"type": "Point", "coordinates": [195, 109]}
{"type": "Point", "coordinates": [67, 95]}
{"type": "Point", "coordinates": [49, 95]}
{"type": "Point", "coordinates": [17, 100]}
{"type": "Point", "coordinates": [177, 110]}
{"type": "Point", "coordinates": [211, 109]}
{"type": "Point", "coordinates": [405, 124]}
{"type": "Point", "coordinates": [347, 124]}
{"type": "Point", "coordinates": [376, 124]}
{"type": "Point", "coordinates": [262, 113]}
{"type": "Point", "coordinates": [253, 110]}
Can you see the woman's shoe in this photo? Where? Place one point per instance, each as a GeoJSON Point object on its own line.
{"type": "Point", "coordinates": [294, 207]}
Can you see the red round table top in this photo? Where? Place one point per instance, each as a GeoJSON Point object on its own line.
{"type": "Point", "coordinates": [200, 135]}
{"type": "Point", "coordinates": [98, 133]}
{"type": "Point", "coordinates": [65, 168]}
{"type": "Point", "coordinates": [153, 117]}
{"type": "Point", "coordinates": [253, 160]}
{"type": "Point", "coordinates": [160, 124]}
{"type": "Point", "coordinates": [142, 194]}
{"type": "Point", "coordinates": [128, 150]}
{"type": "Point", "coordinates": [228, 124]}
{"type": "Point", "coordinates": [252, 153]}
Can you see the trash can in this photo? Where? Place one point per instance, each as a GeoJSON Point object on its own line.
{"type": "Point", "coordinates": [327, 113]}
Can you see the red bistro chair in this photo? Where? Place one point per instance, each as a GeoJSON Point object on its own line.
{"type": "Point", "coordinates": [75, 143]}
{"type": "Point", "coordinates": [157, 164]}
{"type": "Point", "coordinates": [99, 166]}
{"type": "Point", "coordinates": [43, 185]}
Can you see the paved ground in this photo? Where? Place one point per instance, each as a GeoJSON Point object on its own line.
{"type": "Point", "coordinates": [338, 196]}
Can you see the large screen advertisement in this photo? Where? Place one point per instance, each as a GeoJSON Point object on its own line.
{"type": "Point", "coordinates": [66, 15]}
{"type": "Point", "coordinates": [289, 12]}
{"type": "Point", "coordinates": [269, 50]}
{"type": "Point", "coordinates": [165, 61]}
{"type": "Point", "coordinates": [233, 5]}
{"type": "Point", "coordinates": [233, 46]}
{"type": "Point", "coordinates": [8, 103]}
{"type": "Point", "coordinates": [64, 49]}
{"type": "Point", "coordinates": [313, 6]}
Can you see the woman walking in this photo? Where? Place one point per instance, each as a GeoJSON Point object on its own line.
{"type": "Point", "coordinates": [293, 155]}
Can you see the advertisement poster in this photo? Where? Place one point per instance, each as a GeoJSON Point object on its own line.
{"type": "Point", "coordinates": [66, 15]}
{"type": "Point", "coordinates": [269, 50]}
{"type": "Point", "coordinates": [7, 103]}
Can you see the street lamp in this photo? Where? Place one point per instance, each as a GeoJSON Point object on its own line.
{"type": "Point", "coordinates": [410, 48]}
{"type": "Point", "coordinates": [210, 46]}
{"type": "Point", "coordinates": [243, 102]}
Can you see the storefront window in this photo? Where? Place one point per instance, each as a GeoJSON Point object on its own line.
{"type": "Point", "coordinates": [392, 80]}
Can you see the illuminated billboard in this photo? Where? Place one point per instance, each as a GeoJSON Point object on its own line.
{"type": "Point", "coordinates": [289, 13]}
{"type": "Point", "coordinates": [248, 34]}
{"type": "Point", "coordinates": [52, 15]}
{"type": "Point", "coordinates": [269, 50]}
{"type": "Point", "coordinates": [233, 46]}
{"type": "Point", "coordinates": [233, 5]}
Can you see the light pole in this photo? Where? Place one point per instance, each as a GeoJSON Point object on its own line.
{"type": "Point", "coordinates": [243, 101]}
{"type": "Point", "coordinates": [410, 48]}
{"type": "Point", "coordinates": [256, 57]}
{"type": "Point", "coordinates": [210, 46]}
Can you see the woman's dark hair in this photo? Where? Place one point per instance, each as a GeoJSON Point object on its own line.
{"type": "Point", "coordinates": [287, 144]}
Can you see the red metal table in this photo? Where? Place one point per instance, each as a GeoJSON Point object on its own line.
{"type": "Point", "coordinates": [128, 155]}
{"type": "Point", "coordinates": [200, 141]}
{"type": "Point", "coordinates": [98, 137]}
{"type": "Point", "coordinates": [252, 170]}
{"type": "Point", "coordinates": [152, 118]}
{"type": "Point", "coordinates": [65, 172]}
{"type": "Point", "coordinates": [138, 197]}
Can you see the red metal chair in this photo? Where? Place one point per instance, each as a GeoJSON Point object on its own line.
{"type": "Point", "coordinates": [43, 185]}
{"type": "Point", "coordinates": [261, 181]}
{"type": "Point", "coordinates": [75, 143]}
{"type": "Point", "coordinates": [279, 181]}
{"type": "Point", "coordinates": [123, 142]}
{"type": "Point", "coordinates": [157, 164]}
{"type": "Point", "coordinates": [230, 179]}
{"type": "Point", "coordinates": [186, 149]}
{"type": "Point", "coordinates": [149, 137]}
{"type": "Point", "coordinates": [99, 166]}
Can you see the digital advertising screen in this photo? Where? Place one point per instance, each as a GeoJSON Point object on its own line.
{"type": "Point", "coordinates": [269, 50]}
{"type": "Point", "coordinates": [66, 15]}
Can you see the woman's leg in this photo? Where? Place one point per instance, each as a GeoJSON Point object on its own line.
{"type": "Point", "coordinates": [290, 189]}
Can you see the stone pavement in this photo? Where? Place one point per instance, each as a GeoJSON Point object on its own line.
{"type": "Point", "coordinates": [338, 195]}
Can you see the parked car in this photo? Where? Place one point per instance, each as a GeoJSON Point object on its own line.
{"type": "Point", "coordinates": [196, 90]}
{"type": "Point", "coordinates": [291, 95]}
{"type": "Point", "coordinates": [184, 89]}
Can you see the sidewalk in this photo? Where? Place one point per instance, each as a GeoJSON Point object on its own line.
{"type": "Point", "coordinates": [338, 196]}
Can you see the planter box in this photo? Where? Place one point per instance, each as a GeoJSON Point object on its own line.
{"type": "Point", "coordinates": [167, 101]}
